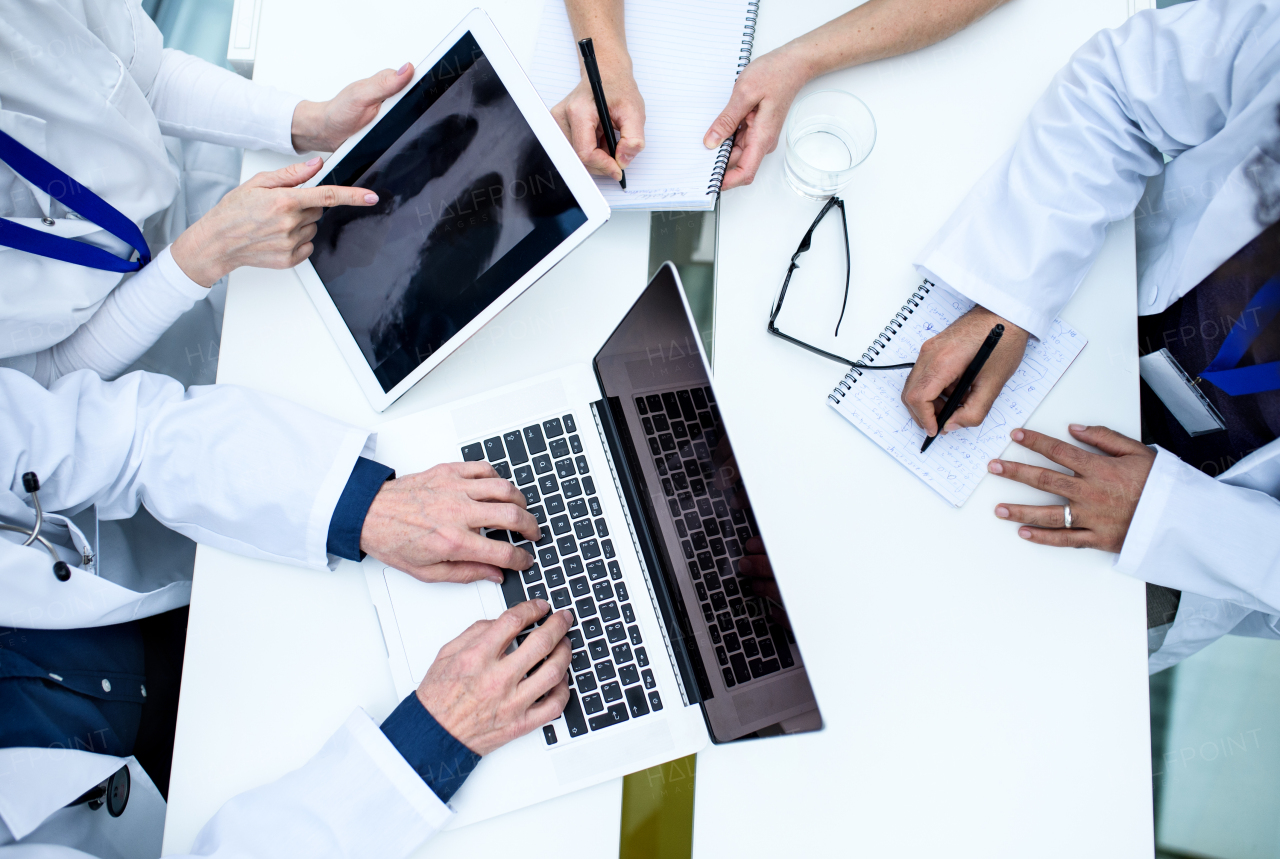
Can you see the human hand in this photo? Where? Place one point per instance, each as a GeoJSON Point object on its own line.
{"type": "Point", "coordinates": [580, 121]}
{"type": "Point", "coordinates": [943, 360]}
{"type": "Point", "coordinates": [428, 524]}
{"type": "Point", "coordinates": [1103, 493]}
{"type": "Point", "coordinates": [267, 222]}
{"type": "Point", "coordinates": [323, 125]}
{"type": "Point", "coordinates": [481, 695]}
{"type": "Point", "coordinates": [756, 110]}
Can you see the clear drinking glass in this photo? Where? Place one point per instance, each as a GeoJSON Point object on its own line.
{"type": "Point", "coordinates": [829, 133]}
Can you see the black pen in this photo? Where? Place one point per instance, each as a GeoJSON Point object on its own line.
{"type": "Point", "coordinates": [966, 381]}
{"type": "Point", "coordinates": [602, 107]}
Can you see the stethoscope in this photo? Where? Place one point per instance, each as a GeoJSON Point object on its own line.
{"type": "Point", "coordinates": [61, 568]}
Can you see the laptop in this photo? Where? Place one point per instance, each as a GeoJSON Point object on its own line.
{"type": "Point", "coordinates": [627, 466]}
{"type": "Point", "coordinates": [480, 194]}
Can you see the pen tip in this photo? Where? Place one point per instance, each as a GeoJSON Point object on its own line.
{"type": "Point", "coordinates": [623, 180]}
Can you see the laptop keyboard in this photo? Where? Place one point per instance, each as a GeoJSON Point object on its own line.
{"type": "Point", "coordinates": [575, 567]}
{"type": "Point", "coordinates": [682, 428]}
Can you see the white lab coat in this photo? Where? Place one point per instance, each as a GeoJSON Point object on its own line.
{"type": "Point", "coordinates": [1199, 83]}
{"type": "Point", "coordinates": [278, 472]}
{"type": "Point", "coordinates": [87, 85]}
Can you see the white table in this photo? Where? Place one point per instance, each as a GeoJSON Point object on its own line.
{"type": "Point", "coordinates": [982, 696]}
{"type": "Point", "coordinates": [993, 704]}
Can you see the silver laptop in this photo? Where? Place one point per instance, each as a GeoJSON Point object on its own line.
{"type": "Point", "coordinates": [627, 466]}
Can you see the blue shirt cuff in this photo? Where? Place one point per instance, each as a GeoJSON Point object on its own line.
{"type": "Point", "coordinates": [353, 505]}
{"type": "Point", "coordinates": [443, 762]}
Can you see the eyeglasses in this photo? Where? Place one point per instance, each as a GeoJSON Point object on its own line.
{"type": "Point", "coordinates": [805, 244]}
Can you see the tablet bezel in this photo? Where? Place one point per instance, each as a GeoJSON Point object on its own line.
{"type": "Point", "coordinates": [558, 149]}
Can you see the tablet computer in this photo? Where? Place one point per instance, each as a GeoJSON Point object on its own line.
{"type": "Point", "coordinates": [480, 194]}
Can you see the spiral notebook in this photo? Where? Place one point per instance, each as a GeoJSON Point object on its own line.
{"type": "Point", "coordinates": [953, 465]}
{"type": "Point", "coordinates": [686, 57]}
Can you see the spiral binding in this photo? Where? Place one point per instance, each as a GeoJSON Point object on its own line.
{"type": "Point", "coordinates": [881, 342]}
{"type": "Point", "coordinates": [744, 57]}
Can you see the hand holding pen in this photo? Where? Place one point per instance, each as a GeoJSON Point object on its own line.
{"type": "Point", "coordinates": [579, 116]}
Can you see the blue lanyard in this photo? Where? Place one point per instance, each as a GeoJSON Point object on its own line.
{"type": "Point", "coordinates": [77, 198]}
{"type": "Point", "coordinates": [1223, 372]}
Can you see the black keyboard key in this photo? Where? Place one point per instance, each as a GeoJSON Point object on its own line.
{"type": "Point", "coordinates": [655, 701]}
{"type": "Point", "coordinates": [575, 639]}
{"type": "Point", "coordinates": [725, 621]}
{"type": "Point", "coordinates": [573, 716]}
{"type": "Point", "coordinates": [616, 632]}
{"type": "Point", "coordinates": [569, 425]}
{"type": "Point", "coordinates": [599, 650]}
{"type": "Point", "coordinates": [548, 557]}
{"type": "Point", "coordinates": [648, 425]}
{"type": "Point", "coordinates": [602, 591]}
{"type": "Point", "coordinates": [686, 501]}
{"type": "Point", "coordinates": [734, 547]}
{"type": "Point", "coordinates": [560, 598]}
{"type": "Point", "coordinates": [555, 504]}
{"type": "Point", "coordinates": [685, 448]}
{"type": "Point", "coordinates": [622, 654]}
{"type": "Point", "coordinates": [761, 667]}
{"type": "Point", "coordinates": [615, 571]}
{"type": "Point", "coordinates": [524, 475]}
{"type": "Point", "coordinates": [564, 468]}
{"type": "Point", "coordinates": [580, 587]}
{"type": "Point", "coordinates": [601, 528]}
{"type": "Point", "coordinates": [595, 570]}
{"type": "Point", "coordinates": [707, 613]}
{"type": "Point", "coordinates": [593, 628]}
{"type": "Point", "coordinates": [572, 566]}
{"type": "Point", "coordinates": [531, 496]}
{"type": "Point", "coordinates": [740, 670]}
{"type": "Point", "coordinates": [627, 614]}
{"type": "Point", "coordinates": [660, 464]}
{"type": "Point", "coordinates": [498, 535]}
{"type": "Point", "coordinates": [616, 715]}
{"type": "Point", "coordinates": [585, 607]}
{"type": "Point", "coordinates": [701, 590]}
{"type": "Point", "coordinates": [588, 486]}
{"type": "Point", "coordinates": [621, 589]}
{"type": "Point", "coordinates": [537, 592]}
{"type": "Point", "coordinates": [575, 444]}
{"type": "Point", "coordinates": [493, 449]}
{"type": "Point", "coordinates": [533, 439]}
{"type": "Point", "coordinates": [743, 533]}
{"type": "Point", "coordinates": [699, 399]}
{"type": "Point", "coordinates": [504, 470]}
{"type": "Point", "coordinates": [547, 483]}
{"type": "Point", "coordinates": [660, 423]}
{"type": "Point", "coordinates": [571, 488]}
{"type": "Point", "coordinates": [577, 508]}
{"type": "Point", "coordinates": [636, 702]}
{"type": "Point", "coordinates": [666, 441]}
{"type": "Point", "coordinates": [559, 448]}
{"type": "Point", "coordinates": [641, 407]}
{"type": "Point", "coordinates": [581, 662]}
{"type": "Point", "coordinates": [654, 402]}
{"type": "Point", "coordinates": [766, 647]}
{"type": "Point", "coordinates": [731, 642]}
{"type": "Point", "coordinates": [642, 658]}
{"type": "Point", "coordinates": [604, 671]}
{"type": "Point", "coordinates": [584, 529]}
{"type": "Point", "coordinates": [687, 546]}
{"type": "Point", "coordinates": [653, 446]}
{"type": "Point", "coordinates": [611, 691]}
{"type": "Point", "coordinates": [737, 607]}
{"type": "Point", "coordinates": [678, 429]}
{"type": "Point", "coordinates": [473, 452]}
{"type": "Point", "coordinates": [718, 601]}
{"type": "Point", "coordinates": [549, 734]}
{"type": "Point", "coordinates": [722, 656]}
{"type": "Point", "coordinates": [714, 632]}
{"type": "Point", "coordinates": [515, 447]}
{"type": "Point", "coordinates": [593, 704]}
{"type": "Point", "coordinates": [671, 404]}
{"type": "Point", "coordinates": [750, 648]}
{"type": "Point", "coordinates": [731, 587]}
{"type": "Point", "coordinates": [541, 464]}
{"type": "Point", "coordinates": [699, 541]}
{"type": "Point", "coordinates": [581, 462]}
{"type": "Point", "coordinates": [560, 525]}
{"type": "Point", "coordinates": [590, 549]}
{"type": "Point", "coordinates": [552, 428]}
{"type": "Point", "coordinates": [743, 625]}
{"type": "Point", "coordinates": [512, 591]}
{"type": "Point", "coordinates": [713, 582]}
{"type": "Point", "coordinates": [531, 575]}
{"type": "Point", "coordinates": [759, 627]}
{"type": "Point", "coordinates": [727, 673]}
{"type": "Point", "coordinates": [585, 681]}
{"type": "Point", "coordinates": [607, 545]}
{"type": "Point", "coordinates": [687, 407]}
{"type": "Point", "coordinates": [633, 633]}
{"type": "Point", "coordinates": [780, 642]}
{"type": "Point", "coordinates": [594, 504]}
{"type": "Point", "coordinates": [609, 611]}
{"type": "Point", "coordinates": [695, 432]}
{"type": "Point", "coordinates": [647, 676]}
{"type": "Point", "coordinates": [717, 546]}
{"type": "Point", "coordinates": [567, 545]}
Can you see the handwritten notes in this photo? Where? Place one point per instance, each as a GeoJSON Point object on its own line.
{"type": "Point", "coordinates": [953, 465]}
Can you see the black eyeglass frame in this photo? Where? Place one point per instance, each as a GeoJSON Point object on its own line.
{"type": "Point", "coordinates": [805, 244]}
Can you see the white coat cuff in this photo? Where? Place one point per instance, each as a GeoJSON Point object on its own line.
{"type": "Point", "coordinates": [176, 279]}
{"type": "Point", "coordinates": [1145, 526]}
{"type": "Point", "coordinates": [354, 445]}
{"type": "Point", "coordinates": [397, 770]}
{"type": "Point", "coordinates": [955, 277]}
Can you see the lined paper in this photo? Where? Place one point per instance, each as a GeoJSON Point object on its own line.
{"type": "Point", "coordinates": [954, 463]}
{"type": "Point", "coordinates": [685, 56]}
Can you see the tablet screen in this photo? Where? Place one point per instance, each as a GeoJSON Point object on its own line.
{"type": "Point", "coordinates": [469, 201]}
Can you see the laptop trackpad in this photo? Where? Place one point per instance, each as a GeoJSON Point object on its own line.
{"type": "Point", "coordinates": [429, 616]}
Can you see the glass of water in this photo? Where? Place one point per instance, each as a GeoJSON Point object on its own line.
{"type": "Point", "coordinates": [829, 133]}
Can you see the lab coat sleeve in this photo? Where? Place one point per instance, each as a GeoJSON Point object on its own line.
{"type": "Point", "coordinates": [226, 466]}
{"type": "Point", "coordinates": [1024, 238]}
{"type": "Point", "coordinates": [1205, 537]}
{"type": "Point", "coordinates": [130, 320]}
{"type": "Point", "coordinates": [358, 797]}
{"type": "Point", "coordinates": [194, 99]}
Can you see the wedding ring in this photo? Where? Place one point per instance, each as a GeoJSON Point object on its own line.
{"type": "Point", "coordinates": [1066, 515]}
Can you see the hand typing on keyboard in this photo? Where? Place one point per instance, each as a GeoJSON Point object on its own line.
{"type": "Point", "coordinates": [428, 524]}
{"type": "Point", "coordinates": [486, 697]}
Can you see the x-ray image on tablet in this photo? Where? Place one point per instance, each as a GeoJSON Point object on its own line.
{"type": "Point", "coordinates": [470, 202]}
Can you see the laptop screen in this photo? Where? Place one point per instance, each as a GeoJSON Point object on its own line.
{"type": "Point", "coordinates": [469, 202]}
{"type": "Point", "coordinates": [724, 615]}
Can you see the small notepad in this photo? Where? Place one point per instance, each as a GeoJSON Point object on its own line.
{"type": "Point", "coordinates": [686, 57]}
{"type": "Point", "coordinates": [953, 465]}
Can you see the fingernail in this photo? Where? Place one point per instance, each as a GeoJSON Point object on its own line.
{"type": "Point", "coordinates": [1018, 435]}
{"type": "Point", "coordinates": [710, 142]}
{"type": "Point", "coordinates": [371, 198]}
{"type": "Point", "coordinates": [995, 467]}
{"type": "Point", "coordinates": [314, 161]}
{"type": "Point", "coordinates": [1077, 427]}
{"type": "Point", "coordinates": [497, 580]}
{"type": "Point", "coordinates": [1024, 533]}
{"type": "Point", "coordinates": [1002, 512]}
{"type": "Point", "coordinates": [542, 605]}
{"type": "Point", "coordinates": [403, 69]}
